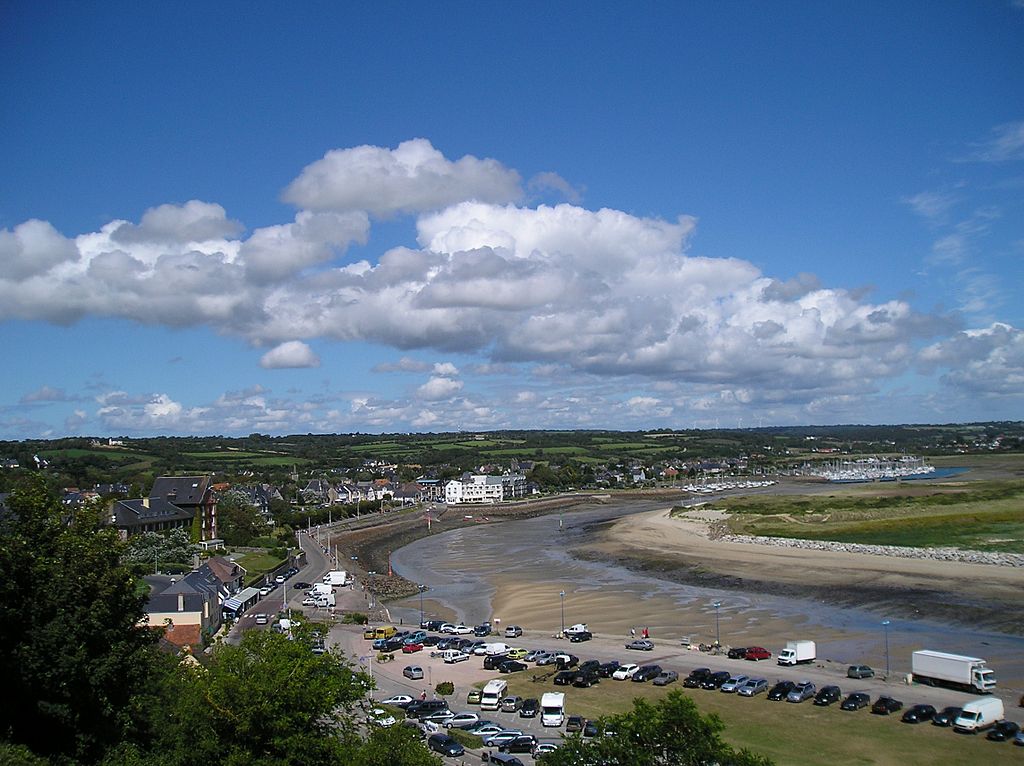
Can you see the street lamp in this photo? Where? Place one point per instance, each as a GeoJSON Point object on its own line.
{"type": "Point", "coordinates": [885, 625]}
{"type": "Point", "coordinates": [561, 596]}
{"type": "Point", "coordinates": [718, 631]}
{"type": "Point", "coordinates": [420, 589]}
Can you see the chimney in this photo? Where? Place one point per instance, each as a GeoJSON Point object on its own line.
{"type": "Point", "coordinates": [181, 602]}
{"type": "Point", "coordinates": [145, 502]}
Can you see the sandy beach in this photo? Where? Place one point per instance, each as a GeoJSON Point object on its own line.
{"type": "Point", "coordinates": [681, 548]}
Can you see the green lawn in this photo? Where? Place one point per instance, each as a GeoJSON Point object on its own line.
{"type": "Point", "coordinates": [258, 564]}
{"type": "Point", "coordinates": [978, 516]}
{"type": "Point", "coordinates": [794, 735]}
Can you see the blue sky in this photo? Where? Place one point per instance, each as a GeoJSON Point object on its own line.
{"type": "Point", "coordinates": [221, 220]}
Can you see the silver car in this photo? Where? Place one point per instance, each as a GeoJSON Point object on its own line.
{"type": "Point", "coordinates": [753, 686]}
{"type": "Point", "coordinates": [804, 690]}
{"type": "Point", "coordinates": [734, 683]}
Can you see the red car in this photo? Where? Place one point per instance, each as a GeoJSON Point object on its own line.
{"type": "Point", "coordinates": [758, 653]}
{"type": "Point", "coordinates": [410, 648]}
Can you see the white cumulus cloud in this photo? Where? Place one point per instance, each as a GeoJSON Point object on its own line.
{"type": "Point", "coordinates": [292, 353]}
{"type": "Point", "coordinates": [412, 178]}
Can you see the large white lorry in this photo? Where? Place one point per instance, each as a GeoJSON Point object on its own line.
{"type": "Point", "coordinates": [958, 671]}
{"type": "Point", "coordinates": [797, 652]}
{"type": "Point", "coordinates": [320, 589]}
{"type": "Point", "coordinates": [492, 694]}
{"type": "Point", "coordinates": [552, 708]}
{"type": "Point", "coordinates": [979, 714]}
{"type": "Point", "coordinates": [336, 577]}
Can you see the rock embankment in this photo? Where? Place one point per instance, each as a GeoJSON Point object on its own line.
{"type": "Point", "coordinates": [895, 551]}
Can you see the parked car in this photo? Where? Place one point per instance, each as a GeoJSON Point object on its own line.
{"type": "Point", "coordinates": [451, 659]}
{"type": "Point", "coordinates": [412, 672]}
{"type": "Point", "coordinates": [533, 654]}
{"type": "Point", "coordinates": [440, 717]}
{"type": "Point", "coordinates": [474, 697]}
{"type": "Point", "coordinates": [513, 631]}
{"type": "Point", "coordinates": [381, 717]}
{"type": "Point", "coordinates": [885, 705]}
{"type": "Point", "coordinates": [736, 653]}
{"type": "Point", "coordinates": [546, 658]}
{"type": "Point", "coordinates": [587, 678]}
{"type": "Point", "coordinates": [564, 677]}
{"type": "Point", "coordinates": [516, 654]}
{"type": "Point", "coordinates": [309, 601]}
{"type": "Point", "coordinates": [544, 747]}
{"type": "Point", "coordinates": [445, 745]}
{"type": "Point", "coordinates": [803, 690]}
{"type": "Point", "coordinates": [512, 666]}
{"type": "Point", "coordinates": [667, 677]}
{"type": "Point", "coordinates": [757, 653]}
{"type": "Point", "coordinates": [855, 701]}
{"type": "Point", "coordinates": [641, 644]}
{"type": "Point", "coordinates": [715, 680]}
{"type": "Point", "coordinates": [733, 683]}
{"type": "Point", "coordinates": [859, 671]}
{"type": "Point", "coordinates": [918, 713]}
{"type": "Point", "coordinates": [302, 585]}
{"type": "Point", "coordinates": [827, 695]}
{"type": "Point", "coordinates": [625, 672]}
{"type": "Point", "coordinates": [1018, 738]}
{"type": "Point", "coordinates": [499, 739]}
{"type": "Point", "coordinates": [646, 673]}
{"type": "Point", "coordinates": [530, 708]}
{"type": "Point", "coordinates": [574, 723]}
{"type": "Point", "coordinates": [564, 660]}
{"type": "Point", "coordinates": [510, 704]}
{"type": "Point", "coordinates": [1002, 731]}
{"type": "Point", "coordinates": [462, 721]}
{"type": "Point", "coordinates": [484, 629]}
{"type": "Point", "coordinates": [946, 716]}
{"type": "Point", "coordinates": [524, 743]}
{"type": "Point", "coordinates": [752, 687]}
{"type": "Point", "coordinates": [590, 729]}
{"type": "Point", "coordinates": [412, 648]}
{"type": "Point", "coordinates": [605, 669]}
{"type": "Point", "coordinates": [780, 691]}
{"type": "Point", "coordinates": [398, 700]}
{"type": "Point", "coordinates": [486, 729]}
{"type": "Point", "coordinates": [580, 635]}
{"type": "Point", "coordinates": [696, 677]}
{"type": "Point", "coordinates": [493, 661]}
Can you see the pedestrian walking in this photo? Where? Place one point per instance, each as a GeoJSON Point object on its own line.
{"type": "Point", "coordinates": [647, 633]}
{"type": "Point", "coordinates": [632, 632]}
{"type": "Point", "coordinates": [423, 696]}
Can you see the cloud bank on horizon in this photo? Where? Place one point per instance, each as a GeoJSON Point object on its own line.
{"type": "Point", "coordinates": [589, 317]}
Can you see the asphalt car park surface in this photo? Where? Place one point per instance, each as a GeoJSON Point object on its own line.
{"type": "Point", "coordinates": [471, 674]}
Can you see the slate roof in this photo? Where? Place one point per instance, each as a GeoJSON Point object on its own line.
{"type": "Point", "coordinates": [180, 490]}
{"type": "Point", "coordinates": [130, 513]}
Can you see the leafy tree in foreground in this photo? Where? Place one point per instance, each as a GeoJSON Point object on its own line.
{"type": "Point", "coordinates": [76, 666]}
{"type": "Point", "coordinates": [269, 701]}
{"type": "Point", "coordinates": [671, 732]}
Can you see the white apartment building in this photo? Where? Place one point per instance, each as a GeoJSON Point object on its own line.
{"type": "Point", "coordinates": [479, 488]}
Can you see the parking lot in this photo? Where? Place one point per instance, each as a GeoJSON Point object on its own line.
{"type": "Point", "coordinates": [470, 675]}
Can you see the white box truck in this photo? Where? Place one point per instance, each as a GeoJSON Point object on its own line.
{"type": "Point", "coordinates": [979, 714]}
{"type": "Point", "coordinates": [797, 652]}
{"type": "Point", "coordinates": [336, 577]}
{"type": "Point", "coordinates": [552, 709]}
{"type": "Point", "coordinates": [492, 694]}
{"type": "Point", "coordinates": [320, 589]}
{"type": "Point", "coordinates": [325, 600]}
{"type": "Point", "coordinates": [940, 668]}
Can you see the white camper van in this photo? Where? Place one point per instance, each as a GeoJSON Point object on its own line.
{"type": "Point", "coordinates": [552, 708]}
{"type": "Point", "coordinates": [492, 694]}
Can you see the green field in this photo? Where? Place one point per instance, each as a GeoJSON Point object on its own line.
{"type": "Point", "coordinates": [793, 735]}
{"type": "Point", "coordinates": [987, 516]}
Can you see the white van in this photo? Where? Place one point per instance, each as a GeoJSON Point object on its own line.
{"type": "Point", "coordinates": [496, 648]}
{"type": "Point", "coordinates": [492, 694]}
{"type": "Point", "coordinates": [552, 708]}
{"type": "Point", "coordinates": [979, 714]}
